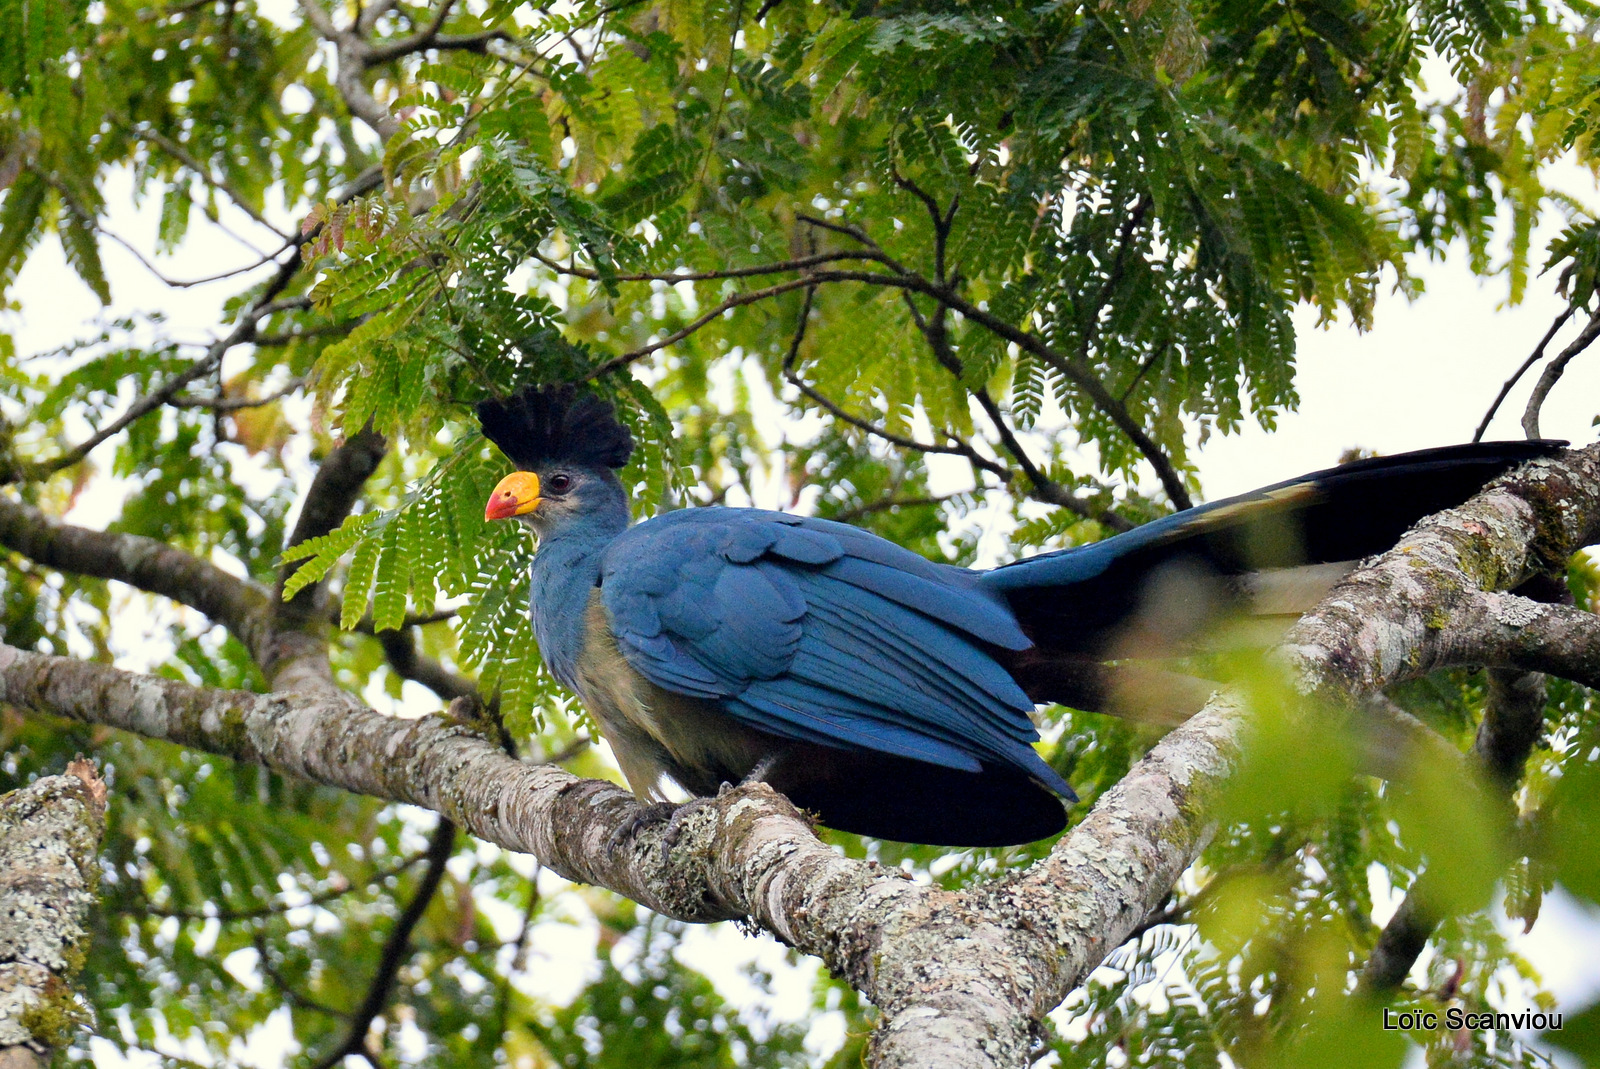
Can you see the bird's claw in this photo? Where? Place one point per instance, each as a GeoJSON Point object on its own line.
{"type": "Point", "coordinates": [646, 816]}
{"type": "Point", "coordinates": [674, 815]}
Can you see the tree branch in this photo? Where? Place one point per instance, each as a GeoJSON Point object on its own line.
{"type": "Point", "coordinates": [243, 332]}
{"type": "Point", "coordinates": [400, 650]}
{"type": "Point", "coordinates": [417, 42]}
{"type": "Point", "coordinates": [298, 659]}
{"type": "Point", "coordinates": [396, 949]}
{"type": "Point", "coordinates": [738, 300]}
{"type": "Point", "coordinates": [228, 915]}
{"type": "Point", "coordinates": [144, 563]}
{"type": "Point", "coordinates": [957, 448]}
{"type": "Point", "coordinates": [49, 841]}
{"type": "Point", "coordinates": [235, 404]}
{"type": "Point", "coordinates": [201, 171]}
{"type": "Point", "coordinates": [745, 853]}
{"type": "Point", "coordinates": [1553, 372]}
{"type": "Point", "coordinates": [290, 993]}
{"type": "Point", "coordinates": [1512, 716]}
{"type": "Point", "coordinates": [1536, 356]}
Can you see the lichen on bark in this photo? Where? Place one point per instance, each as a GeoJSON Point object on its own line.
{"type": "Point", "coordinates": [49, 840]}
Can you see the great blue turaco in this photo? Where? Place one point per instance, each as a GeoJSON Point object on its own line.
{"type": "Point", "coordinates": [887, 694]}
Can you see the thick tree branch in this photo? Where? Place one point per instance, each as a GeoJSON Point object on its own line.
{"type": "Point", "coordinates": [298, 659]}
{"type": "Point", "coordinates": [354, 54]}
{"type": "Point", "coordinates": [49, 866]}
{"type": "Point", "coordinates": [748, 853]}
{"type": "Point", "coordinates": [144, 563]}
{"type": "Point", "coordinates": [1397, 618]}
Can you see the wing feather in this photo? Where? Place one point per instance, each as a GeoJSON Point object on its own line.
{"type": "Point", "coordinates": [820, 632]}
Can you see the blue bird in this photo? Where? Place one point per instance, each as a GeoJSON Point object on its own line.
{"type": "Point", "coordinates": [887, 694]}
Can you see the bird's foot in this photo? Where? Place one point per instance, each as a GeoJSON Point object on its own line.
{"type": "Point", "coordinates": [647, 816]}
{"type": "Point", "coordinates": [674, 815]}
{"type": "Point", "coordinates": [678, 822]}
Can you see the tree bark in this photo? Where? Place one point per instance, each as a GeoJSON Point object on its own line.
{"type": "Point", "coordinates": [49, 838]}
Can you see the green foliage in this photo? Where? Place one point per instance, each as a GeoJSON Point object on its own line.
{"type": "Point", "coordinates": [654, 1011]}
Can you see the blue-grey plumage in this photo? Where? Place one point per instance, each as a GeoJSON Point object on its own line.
{"type": "Point", "coordinates": [890, 695]}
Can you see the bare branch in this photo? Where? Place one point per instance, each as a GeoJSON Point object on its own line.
{"type": "Point", "coordinates": [802, 263]}
{"type": "Point", "coordinates": [1500, 630]}
{"type": "Point", "coordinates": [243, 332]}
{"type": "Point", "coordinates": [1414, 600]}
{"type": "Point", "coordinates": [291, 994]}
{"type": "Point", "coordinates": [745, 853]}
{"type": "Point", "coordinates": [371, 13]}
{"type": "Point", "coordinates": [738, 300]}
{"type": "Point", "coordinates": [229, 914]}
{"type": "Point", "coordinates": [850, 515]}
{"type": "Point", "coordinates": [396, 949]}
{"type": "Point", "coordinates": [144, 563]}
{"type": "Point", "coordinates": [1552, 375]}
{"type": "Point", "coordinates": [417, 42]}
{"type": "Point", "coordinates": [183, 283]}
{"type": "Point", "coordinates": [957, 448]}
{"type": "Point", "coordinates": [400, 650]}
{"type": "Point", "coordinates": [319, 18]}
{"type": "Point", "coordinates": [1536, 356]}
{"type": "Point", "coordinates": [354, 58]}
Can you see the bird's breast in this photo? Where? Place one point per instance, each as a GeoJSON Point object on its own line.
{"type": "Point", "coordinates": [654, 732]}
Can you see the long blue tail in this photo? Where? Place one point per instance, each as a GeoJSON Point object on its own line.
{"type": "Point", "coordinates": [1075, 604]}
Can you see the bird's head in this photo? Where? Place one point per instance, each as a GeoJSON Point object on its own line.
{"type": "Point", "coordinates": [567, 446]}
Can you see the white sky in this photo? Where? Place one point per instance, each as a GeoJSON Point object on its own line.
{"type": "Point", "coordinates": [1423, 376]}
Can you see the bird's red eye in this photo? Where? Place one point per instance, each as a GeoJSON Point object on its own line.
{"type": "Point", "coordinates": [559, 483]}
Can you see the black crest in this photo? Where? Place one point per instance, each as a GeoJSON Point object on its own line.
{"type": "Point", "coordinates": [540, 424]}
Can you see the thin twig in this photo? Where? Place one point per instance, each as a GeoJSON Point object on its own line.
{"type": "Point", "coordinates": [396, 949]}
{"type": "Point", "coordinates": [958, 448]}
{"type": "Point", "coordinates": [850, 515]}
{"type": "Point", "coordinates": [1537, 355]}
{"type": "Point", "coordinates": [1552, 374]}
{"type": "Point", "coordinates": [519, 955]}
{"type": "Point", "coordinates": [179, 153]}
{"type": "Point", "coordinates": [234, 404]}
{"type": "Point", "coordinates": [294, 996]}
{"type": "Point", "coordinates": [801, 264]}
{"type": "Point", "coordinates": [255, 913]}
{"type": "Point", "coordinates": [738, 300]}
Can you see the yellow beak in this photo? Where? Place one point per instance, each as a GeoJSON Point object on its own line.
{"type": "Point", "coordinates": [515, 495]}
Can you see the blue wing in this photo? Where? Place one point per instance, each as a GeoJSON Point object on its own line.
{"type": "Point", "coordinates": [818, 631]}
